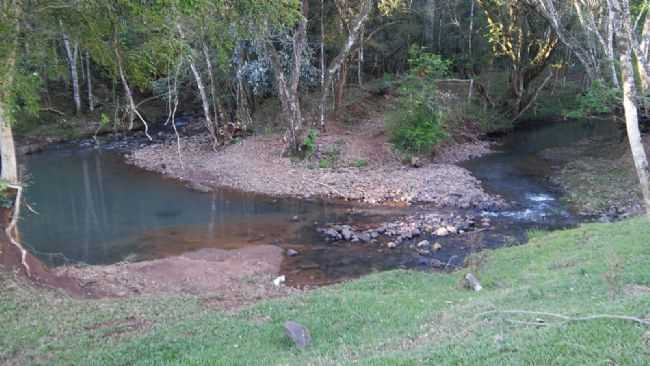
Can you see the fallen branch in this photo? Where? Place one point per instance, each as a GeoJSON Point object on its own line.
{"type": "Point", "coordinates": [12, 227]}
{"type": "Point", "coordinates": [566, 319]}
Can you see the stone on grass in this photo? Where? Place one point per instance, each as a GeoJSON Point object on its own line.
{"type": "Point", "coordinates": [297, 333]}
{"type": "Point", "coordinates": [472, 282]}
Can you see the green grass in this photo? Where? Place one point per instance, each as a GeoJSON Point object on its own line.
{"type": "Point", "coordinates": [390, 318]}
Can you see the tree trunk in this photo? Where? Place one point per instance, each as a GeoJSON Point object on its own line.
{"type": "Point", "coordinates": [9, 172]}
{"type": "Point", "coordinates": [127, 89]}
{"type": "Point", "coordinates": [288, 89]}
{"type": "Point", "coordinates": [7, 149]}
{"type": "Point", "coordinates": [72, 54]}
{"type": "Point", "coordinates": [625, 40]}
{"type": "Point", "coordinates": [89, 84]}
{"type": "Point", "coordinates": [335, 66]}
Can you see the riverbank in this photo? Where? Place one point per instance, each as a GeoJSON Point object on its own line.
{"type": "Point", "coordinates": [598, 177]}
{"type": "Point", "coordinates": [409, 317]}
{"type": "Point", "coordinates": [353, 163]}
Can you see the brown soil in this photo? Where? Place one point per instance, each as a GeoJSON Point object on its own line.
{"type": "Point", "coordinates": [224, 278]}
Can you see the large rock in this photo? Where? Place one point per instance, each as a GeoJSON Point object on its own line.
{"type": "Point", "coordinates": [297, 333]}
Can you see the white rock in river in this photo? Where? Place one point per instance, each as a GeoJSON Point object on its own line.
{"type": "Point", "coordinates": [442, 231]}
{"type": "Point", "coordinates": [391, 245]}
{"type": "Point", "coordinates": [436, 247]}
{"type": "Point", "coordinates": [423, 243]}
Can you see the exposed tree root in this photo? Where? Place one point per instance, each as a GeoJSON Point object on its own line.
{"type": "Point", "coordinates": [11, 232]}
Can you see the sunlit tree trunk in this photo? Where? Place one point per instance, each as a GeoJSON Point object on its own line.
{"type": "Point", "coordinates": [630, 95]}
{"type": "Point", "coordinates": [9, 172]}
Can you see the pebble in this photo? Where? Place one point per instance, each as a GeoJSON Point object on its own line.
{"type": "Point", "coordinates": [292, 253]}
{"type": "Point", "coordinates": [391, 245]}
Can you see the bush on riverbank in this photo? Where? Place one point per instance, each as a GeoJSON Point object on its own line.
{"type": "Point", "coordinates": [390, 318]}
{"type": "Point", "coordinates": [417, 125]}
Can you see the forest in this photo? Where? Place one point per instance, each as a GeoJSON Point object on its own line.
{"type": "Point", "coordinates": [324, 182]}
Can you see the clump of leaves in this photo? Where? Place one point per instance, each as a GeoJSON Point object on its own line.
{"type": "Point", "coordinates": [600, 98]}
{"type": "Point", "coordinates": [309, 144]}
{"type": "Point", "coordinates": [5, 200]}
{"type": "Point", "coordinates": [417, 124]}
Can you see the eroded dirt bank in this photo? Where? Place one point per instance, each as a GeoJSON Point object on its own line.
{"type": "Point", "coordinates": [352, 163]}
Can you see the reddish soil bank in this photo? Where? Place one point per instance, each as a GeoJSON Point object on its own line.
{"type": "Point", "coordinates": [223, 278]}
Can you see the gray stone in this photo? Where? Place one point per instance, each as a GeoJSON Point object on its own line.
{"type": "Point", "coordinates": [365, 237]}
{"type": "Point", "coordinates": [292, 253]}
{"type": "Point", "coordinates": [423, 243]}
{"type": "Point", "coordinates": [391, 245]}
{"type": "Point", "coordinates": [297, 333]}
{"type": "Point", "coordinates": [347, 233]}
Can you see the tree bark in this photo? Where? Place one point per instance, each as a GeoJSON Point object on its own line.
{"type": "Point", "coordinates": [72, 55]}
{"type": "Point", "coordinates": [89, 85]}
{"type": "Point", "coordinates": [9, 172]}
{"type": "Point", "coordinates": [288, 89]}
{"type": "Point", "coordinates": [625, 39]}
{"type": "Point", "coordinates": [353, 36]}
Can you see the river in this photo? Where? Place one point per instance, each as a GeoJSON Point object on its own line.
{"type": "Point", "coordinates": [90, 207]}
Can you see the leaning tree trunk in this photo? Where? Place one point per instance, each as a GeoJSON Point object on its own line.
{"type": "Point", "coordinates": [338, 61]}
{"type": "Point", "coordinates": [630, 98]}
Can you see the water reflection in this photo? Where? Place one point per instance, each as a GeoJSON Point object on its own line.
{"type": "Point", "coordinates": [95, 209]}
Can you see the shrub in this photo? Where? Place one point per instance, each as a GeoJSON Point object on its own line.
{"type": "Point", "coordinates": [417, 124]}
{"type": "Point", "coordinates": [598, 99]}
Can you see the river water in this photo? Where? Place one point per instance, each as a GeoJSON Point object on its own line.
{"type": "Point", "coordinates": [93, 208]}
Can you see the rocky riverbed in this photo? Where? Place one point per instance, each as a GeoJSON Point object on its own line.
{"type": "Point", "coordinates": [257, 165]}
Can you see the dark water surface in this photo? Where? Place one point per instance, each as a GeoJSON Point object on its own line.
{"type": "Point", "coordinates": [520, 174]}
{"type": "Point", "coordinates": [94, 208]}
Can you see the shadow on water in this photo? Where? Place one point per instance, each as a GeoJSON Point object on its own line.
{"type": "Point", "coordinates": [94, 208]}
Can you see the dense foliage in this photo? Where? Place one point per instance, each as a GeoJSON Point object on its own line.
{"type": "Point", "coordinates": [417, 125]}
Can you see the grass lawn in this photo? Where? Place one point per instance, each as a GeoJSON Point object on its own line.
{"type": "Point", "coordinates": [390, 318]}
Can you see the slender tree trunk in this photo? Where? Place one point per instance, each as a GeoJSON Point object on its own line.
{"type": "Point", "coordinates": [219, 116]}
{"type": "Point", "coordinates": [127, 89]}
{"type": "Point", "coordinates": [72, 54]}
{"type": "Point", "coordinates": [288, 89]}
{"type": "Point", "coordinates": [89, 84]}
{"type": "Point", "coordinates": [338, 61]}
{"type": "Point", "coordinates": [630, 106]}
{"type": "Point", "coordinates": [470, 32]}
